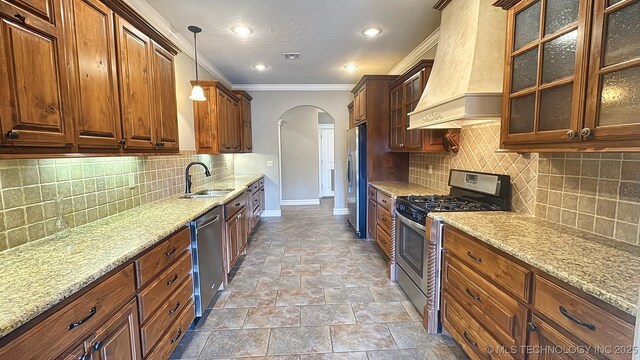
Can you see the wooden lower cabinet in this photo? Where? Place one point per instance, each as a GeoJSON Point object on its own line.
{"type": "Point", "coordinates": [489, 296]}
{"type": "Point", "coordinates": [372, 219]}
{"type": "Point", "coordinates": [118, 338]}
{"type": "Point", "coordinates": [380, 219]}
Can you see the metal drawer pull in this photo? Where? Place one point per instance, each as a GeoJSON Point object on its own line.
{"type": "Point", "coordinates": [564, 312]}
{"type": "Point", "coordinates": [169, 253]}
{"type": "Point", "coordinates": [466, 336]}
{"type": "Point", "coordinates": [175, 308]}
{"type": "Point", "coordinates": [78, 323]}
{"type": "Point", "coordinates": [469, 254]}
{"type": "Point", "coordinates": [177, 336]}
{"type": "Point", "coordinates": [175, 277]}
{"type": "Point", "coordinates": [97, 345]}
{"type": "Point", "coordinates": [472, 295]}
{"type": "Point", "coordinates": [237, 204]}
{"type": "Point", "coordinates": [384, 219]}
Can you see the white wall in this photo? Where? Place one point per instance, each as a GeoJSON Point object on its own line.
{"type": "Point", "coordinates": [185, 72]}
{"type": "Point", "coordinates": [300, 154]}
{"type": "Point", "coordinates": [267, 107]}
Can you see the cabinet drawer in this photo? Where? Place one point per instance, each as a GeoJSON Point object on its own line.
{"type": "Point", "coordinates": [74, 321]}
{"type": "Point", "coordinates": [255, 187]}
{"type": "Point", "coordinates": [171, 338]}
{"type": "Point", "coordinates": [599, 328]}
{"type": "Point", "coordinates": [232, 207]}
{"type": "Point", "coordinates": [165, 253]}
{"type": "Point", "coordinates": [501, 270]}
{"type": "Point", "coordinates": [156, 293]}
{"type": "Point", "coordinates": [502, 315]}
{"type": "Point", "coordinates": [261, 182]}
{"type": "Point", "coordinates": [384, 219]}
{"type": "Point", "coordinates": [255, 200]}
{"type": "Point", "coordinates": [373, 194]}
{"type": "Point", "coordinates": [384, 240]}
{"type": "Point", "coordinates": [166, 314]}
{"type": "Point", "coordinates": [468, 332]}
{"type": "Point", "coordinates": [384, 201]}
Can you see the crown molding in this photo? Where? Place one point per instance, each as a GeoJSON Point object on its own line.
{"type": "Point", "coordinates": [293, 87]}
{"type": "Point", "coordinates": [162, 25]}
{"type": "Point", "coordinates": [416, 54]}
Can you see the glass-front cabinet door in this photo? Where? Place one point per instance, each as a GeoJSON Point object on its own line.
{"type": "Point", "coordinates": [412, 91]}
{"type": "Point", "coordinates": [613, 106]}
{"type": "Point", "coordinates": [544, 77]}
{"type": "Point", "coordinates": [396, 133]}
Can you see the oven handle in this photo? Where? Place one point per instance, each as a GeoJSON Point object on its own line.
{"type": "Point", "coordinates": [412, 224]}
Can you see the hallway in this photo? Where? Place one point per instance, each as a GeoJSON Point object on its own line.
{"type": "Point", "coordinates": [308, 289]}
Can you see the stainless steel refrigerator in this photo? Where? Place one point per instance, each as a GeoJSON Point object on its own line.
{"type": "Point", "coordinates": [357, 179]}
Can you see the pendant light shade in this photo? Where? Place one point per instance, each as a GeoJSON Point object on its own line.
{"type": "Point", "coordinates": [197, 94]}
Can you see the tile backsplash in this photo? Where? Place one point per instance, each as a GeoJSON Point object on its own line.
{"type": "Point", "coordinates": [92, 188]}
{"type": "Point", "coordinates": [597, 193]}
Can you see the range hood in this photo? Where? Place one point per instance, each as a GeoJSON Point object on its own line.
{"type": "Point", "coordinates": [465, 85]}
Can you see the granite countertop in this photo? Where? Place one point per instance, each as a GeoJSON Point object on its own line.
{"type": "Point", "coordinates": [400, 188]}
{"type": "Point", "coordinates": [604, 268]}
{"type": "Point", "coordinates": [39, 275]}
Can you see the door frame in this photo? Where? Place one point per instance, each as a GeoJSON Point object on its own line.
{"type": "Point", "coordinates": [322, 127]}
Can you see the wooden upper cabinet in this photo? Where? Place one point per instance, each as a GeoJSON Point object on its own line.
{"type": "Point", "coordinates": [360, 105]}
{"type": "Point", "coordinates": [218, 122]}
{"type": "Point", "coordinates": [165, 99]}
{"type": "Point", "coordinates": [35, 102]}
{"type": "Point", "coordinates": [613, 94]}
{"type": "Point", "coordinates": [405, 94]}
{"type": "Point", "coordinates": [351, 115]}
{"type": "Point", "coordinates": [135, 53]}
{"type": "Point", "coordinates": [572, 73]}
{"type": "Point", "coordinates": [98, 124]}
{"type": "Point", "coordinates": [245, 121]}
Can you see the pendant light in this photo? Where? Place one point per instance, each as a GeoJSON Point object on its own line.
{"type": "Point", "coordinates": [197, 94]}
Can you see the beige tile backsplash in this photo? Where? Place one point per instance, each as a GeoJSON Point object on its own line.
{"type": "Point", "coordinates": [597, 193]}
{"type": "Point", "coordinates": [92, 188]}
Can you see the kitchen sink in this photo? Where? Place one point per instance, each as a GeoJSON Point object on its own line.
{"type": "Point", "coordinates": [208, 193]}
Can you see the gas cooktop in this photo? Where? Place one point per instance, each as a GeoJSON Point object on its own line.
{"type": "Point", "coordinates": [447, 203]}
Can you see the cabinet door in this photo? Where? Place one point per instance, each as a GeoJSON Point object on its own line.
{"type": "Point", "coordinates": [76, 353]}
{"type": "Point", "coordinates": [614, 76]}
{"type": "Point", "coordinates": [372, 219]}
{"type": "Point", "coordinates": [165, 99]}
{"type": "Point", "coordinates": [247, 140]}
{"type": "Point", "coordinates": [232, 242]}
{"type": "Point", "coordinates": [412, 91]}
{"type": "Point", "coordinates": [351, 116]}
{"type": "Point", "coordinates": [35, 99]}
{"type": "Point", "coordinates": [362, 104]}
{"type": "Point", "coordinates": [243, 230]}
{"type": "Point", "coordinates": [223, 121]}
{"type": "Point", "coordinates": [549, 344]}
{"type": "Point", "coordinates": [136, 89]}
{"type": "Point", "coordinates": [237, 126]}
{"type": "Point", "coordinates": [205, 117]}
{"type": "Point", "coordinates": [98, 124]}
{"type": "Point", "coordinates": [545, 71]}
{"type": "Point", "coordinates": [118, 338]}
{"type": "Point", "coordinates": [396, 130]}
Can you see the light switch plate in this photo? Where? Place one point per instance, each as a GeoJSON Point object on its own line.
{"type": "Point", "coordinates": [269, 163]}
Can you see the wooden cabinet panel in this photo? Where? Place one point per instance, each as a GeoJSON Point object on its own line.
{"type": "Point", "coordinates": [156, 293]}
{"type": "Point", "coordinates": [502, 315]}
{"type": "Point", "coordinates": [501, 270]}
{"type": "Point", "coordinates": [44, 9]}
{"type": "Point", "coordinates": [136, 86]}
{"type": "Point", "coordinates": [384, 219]}
{"type": "Point", "coordinates": [232, 250]}
{"type": "Point", "coordinates": [384, 201]}
{"type": "Point", "coordinates": [246, 143]}
{"type": "Point", "coordinates": [556, 345]}
{"type": "Point", "coordinates": [166, 118]}
{"type": "Point", "coordinates": [153, 262]}
{"type": "Point", "coordinates": [118, 338]}
{"type": "Point", "coordinates": [384, 240]}
{"type": "Point", "coordinates": [586, 321]}
{"type": "Point", "coordinates": [351, 115]}
{"type": "Point", "coordinates": [75, 353]}
{"type": "Point", "coordinates": [35, 100]}
{"type": "Point", "coordinates": [372, 218]}
{"type": "Point", "coordinates": [98, 124]}
{"type": "Point", "coordinates": [233, 206]}
{"type": "Point", "coordinates": [73, 322]}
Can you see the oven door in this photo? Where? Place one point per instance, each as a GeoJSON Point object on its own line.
{"type": "Point", "coordinates": [411, 250]}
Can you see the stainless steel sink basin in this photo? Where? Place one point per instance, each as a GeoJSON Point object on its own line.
{"type": "Point", "coordinates": [207, 193]}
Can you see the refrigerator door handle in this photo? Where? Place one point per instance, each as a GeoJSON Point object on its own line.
{"type": "Point", "coordinates": [349, 170]}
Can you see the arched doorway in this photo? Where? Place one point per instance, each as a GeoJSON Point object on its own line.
{"type": "Point", "coordinates": [307, 160]}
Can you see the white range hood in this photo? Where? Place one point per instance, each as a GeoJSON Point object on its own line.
{"type": "Point", "coordinates": [465, 85]}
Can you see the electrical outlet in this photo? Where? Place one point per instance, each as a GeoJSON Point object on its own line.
{"type": "Point", "coordinates": [430, 169]}
{"type": "Point", "coordinates": [132, 181]}
{"type": "Point", "coordinates": [269, 163]}
{"type": "Point", "coordinates": [101, 184]}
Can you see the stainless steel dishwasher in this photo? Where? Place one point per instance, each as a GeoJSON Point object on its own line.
{"type": "Point", "coordinates": [206, 247]}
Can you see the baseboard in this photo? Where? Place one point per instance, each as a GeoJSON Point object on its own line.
{"type": "Point", "coordinates": [301, 202]}
{"type": "Point", "coordinates": [271, 213]}
{"type": "Point", "coordinates": [337, 211]}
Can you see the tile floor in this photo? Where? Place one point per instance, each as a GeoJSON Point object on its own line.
{"type": "Point", "coordinates": [308, 289]}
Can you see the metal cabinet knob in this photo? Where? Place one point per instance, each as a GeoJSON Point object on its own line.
{"type": "Point", "coordinates": [572, 135]}
{"type": "Point", "coordinates": [13, 134]}
{"type": "Point", "coordinates": [586, 133]}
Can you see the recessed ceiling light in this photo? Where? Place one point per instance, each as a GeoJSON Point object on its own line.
{"type": "Point", "coordinates": [351, 67]}
{"type": "Point", "coordinates": [260, 67]}
{"type": "Point", "coordinates": [242, 30]}
{"type": "Point", "coordinates": [371, 32]}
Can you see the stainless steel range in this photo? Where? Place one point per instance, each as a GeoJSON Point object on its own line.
{"type": "Point", "coordinates": [419, 250]}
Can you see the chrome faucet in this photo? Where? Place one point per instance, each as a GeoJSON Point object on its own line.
{"type": "Point", "coordinates": [187, 177]}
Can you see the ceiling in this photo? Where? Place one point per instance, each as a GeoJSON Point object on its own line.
{"type": "Point", "coordinates": [326, 32]}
